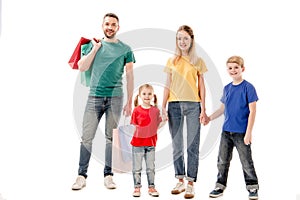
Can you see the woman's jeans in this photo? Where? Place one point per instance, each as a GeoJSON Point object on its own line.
{"type": "Point", "coordinates": [147, 152]}
{"type": "Point", "coordinates": [95, 108]}
{"type": "Point", "coordinates": [228, 141]}
{"type": "Point", "coordinates": [176, 113]}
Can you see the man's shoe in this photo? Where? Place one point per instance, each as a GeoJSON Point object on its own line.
{"type": "Point", "coordinates": [108, 182]}
{"type": "Point", "coordinates": [153, 192]}
{"type": "Point", "coordinates": [178, 188]}
{"type": "Point", "coordinates": [80, 183]}
{"type": "Point", "coordinates": [189, 192]}
{"type": "Point", "coordinates": [137, 192]}
{"type": "Point", "coordinates": [216, 192]}
{"type": "Point", "coordinates": [253, 194]}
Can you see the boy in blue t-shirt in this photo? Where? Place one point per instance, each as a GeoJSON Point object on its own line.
{"type": "Point", "coordinates": [239, 108]}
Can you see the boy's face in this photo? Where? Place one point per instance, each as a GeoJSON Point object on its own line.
{"type": "Point", "coordinates": [110, 27]}
{"type": "Point", "coordinates": [235, 70]}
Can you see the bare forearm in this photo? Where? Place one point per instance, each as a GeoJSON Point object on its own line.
{"type": "Point", "coordinates": [85, 62]}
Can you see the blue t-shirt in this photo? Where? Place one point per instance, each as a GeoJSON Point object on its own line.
{"type": "Point", "coordinates": [236, 99]}
{"type": "Point", "coordinates": [108, 68]}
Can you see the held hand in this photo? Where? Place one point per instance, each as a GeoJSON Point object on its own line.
{"type": "Point", "coordinates": [204, 119]}
{"type": "Point", "coordinates": [127, 110]}
{"type": "Point", "coordinates": [164, 114]}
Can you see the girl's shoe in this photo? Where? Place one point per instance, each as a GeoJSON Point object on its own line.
{"type": "Point", "coordinates": [153, 192]}
{"type": "Point", "coordinates": [137, 192]}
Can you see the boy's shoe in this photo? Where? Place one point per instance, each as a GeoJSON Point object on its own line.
{"type": "Point", "coordinates": [178, 188]}
{"type": "Point", "coordinates": [108, 182]}
{"type": "Point", "coordinates": [79, 183]}
{"type": "Point", "coordinates": [153, 192]}
{"type": "Point", "coordinates": [253, 194]}
{"type": "Point", "coordinates": [216, 192]}
{"type": "Point", "coordinates": [137, 192]}
{"type": "Point", "coordinates": [189, 192]}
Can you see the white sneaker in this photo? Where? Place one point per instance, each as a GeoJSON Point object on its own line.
{"type": "Point", "coordinates": [79, 184]}
{"type": "Point", "coordinates": [189, 192]}
{"type": "Point", "coordinates": [178, 188]}
{"type": "Point", "coordinates": [108, 182]}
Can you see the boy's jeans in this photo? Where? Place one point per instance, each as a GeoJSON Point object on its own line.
{"type": "Point", "coordinates": [228, 141]}
{"type": "Point", "coordinates": [176, 113]}
{"type": "Point", "coordinates": [147, 152]}
{"type": "Point", "coordinates": [95, 108]}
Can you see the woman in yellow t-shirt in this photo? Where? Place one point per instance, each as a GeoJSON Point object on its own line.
{"type": "Point", "coordinates": [185, 94]}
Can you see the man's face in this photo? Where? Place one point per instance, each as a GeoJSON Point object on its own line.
{"type": "Point", "coordinates": [110, 27]}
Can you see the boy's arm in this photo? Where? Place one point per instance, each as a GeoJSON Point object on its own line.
{"type": "Point", "coordinates": [251, 119]}
{"type": "Point", "coordinates": [216, 114]}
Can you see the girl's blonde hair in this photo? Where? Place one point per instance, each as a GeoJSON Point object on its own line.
{"type": "Point", "coordinates": [148, 86]}
{"type": "Point", "coordinates": [192, 51]}
{"type": "Point", "coordinates": [236, 59]}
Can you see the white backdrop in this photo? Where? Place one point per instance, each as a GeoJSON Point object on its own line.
{"type": "Point", "coordinates": [39, 143]}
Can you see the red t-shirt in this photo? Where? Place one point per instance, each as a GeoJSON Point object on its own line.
{"type": "Point", "coordinates": [146, 122]}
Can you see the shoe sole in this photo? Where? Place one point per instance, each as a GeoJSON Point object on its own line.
{"type": "Point", "coordinates": [188, 196]}
{"type": "Point", "coordinates": [76, 189]}
{"type": "Point", "coordinates": [215, 196]}
{"type": "Point", "coordinates": [177, 191]}
{"type": "Point", "coordinates": [154, 195]}
{"type": "Point", "coordinates": [253, 198]}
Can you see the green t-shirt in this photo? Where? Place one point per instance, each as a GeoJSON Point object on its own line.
{"type": "Point", "coordinates": [108, 68]}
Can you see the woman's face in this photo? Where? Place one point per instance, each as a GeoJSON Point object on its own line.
{"type": "Point", "coordinates": [184, 41]}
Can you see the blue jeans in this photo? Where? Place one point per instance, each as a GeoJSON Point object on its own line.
{"type": "Point", "coordinates": [147, 152]}
{"type": "Point", "coordinates": [176, 113]}
{"type": "Point", "coordinates": [228, 142]}
{"type": "Point", "coordinates": [95, 108]}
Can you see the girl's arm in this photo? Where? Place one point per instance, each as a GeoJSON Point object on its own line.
{"type": "Point", "coordinates": [251, 119]}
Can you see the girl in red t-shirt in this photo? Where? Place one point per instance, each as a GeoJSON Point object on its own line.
{"type": "Point", "coordinates": [146, 118]}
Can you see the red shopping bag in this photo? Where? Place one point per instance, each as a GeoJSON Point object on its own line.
{"type": "Point", "coordinates": [73, 62]}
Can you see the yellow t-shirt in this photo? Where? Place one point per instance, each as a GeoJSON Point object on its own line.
{"type": "Point", "coordinates": [184, 84]}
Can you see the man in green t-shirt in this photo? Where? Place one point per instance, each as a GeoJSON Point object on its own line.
{"type": "Point", "coordinates": [107, 59]}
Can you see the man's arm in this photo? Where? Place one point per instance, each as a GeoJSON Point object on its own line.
{"type": "Point", "coordinates": [85, 61]}
{"type": "Point", "coordinates": [129, 79]}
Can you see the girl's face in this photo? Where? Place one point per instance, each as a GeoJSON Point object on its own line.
{"type": "Point", "coordinates": [146, 95]}
{"type": "Point", "coordinates": [184, 41]}
{"type": "Point", "coordinates": [235, 70]}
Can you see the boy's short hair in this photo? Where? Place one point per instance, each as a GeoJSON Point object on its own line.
{"type": "Point", "coordinates": [111, 15]}
{"type": "Point", "coordinates": [236, 59]}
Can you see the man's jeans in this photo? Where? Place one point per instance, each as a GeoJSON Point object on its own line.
{"type": "Point", "coordinates": [95, 108]}
{"type": "Point", "coordinates": [147, 152]}
{"type": "Point", "coordinates": [176, 113]}
{"type": "Point", "coordinates": [228, 141]}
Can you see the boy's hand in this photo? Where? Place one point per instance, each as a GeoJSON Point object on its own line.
{"type": "Point", "coordinates": [248, 138]}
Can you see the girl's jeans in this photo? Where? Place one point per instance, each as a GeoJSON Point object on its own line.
{"type": "Point", "coordinates": [147, 152]}
{"type": "Point", "coordinates": [176, 113]}
{"type": "Point", "coordinates": [228, 141]}
{"type": "Point", "coordinates": [95, 108]}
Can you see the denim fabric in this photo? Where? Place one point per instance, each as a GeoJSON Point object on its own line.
{"type": "Point", "coordinates": [228, 142]}
{"type": "Point", "coordinates": [95, 108]}
{"type": "Point", "coordinates": [176, 113]}
{"type": "Point", "coordinates": [147, 152]}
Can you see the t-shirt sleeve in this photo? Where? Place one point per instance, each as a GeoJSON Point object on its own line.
{"type": "Point", "coordinates": [201, 66]}
{"type": "Point", "coordinates": [251, 94]}
{"type": "Point", "coordinates": [167, 68]}
{"type": "Point", "coordinates": [129, 56]}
